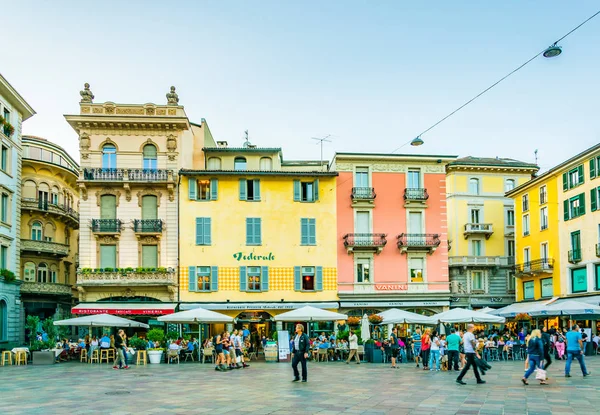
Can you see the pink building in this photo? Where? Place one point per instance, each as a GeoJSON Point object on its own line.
{"type": "Point", "coordinates": [392, 232]}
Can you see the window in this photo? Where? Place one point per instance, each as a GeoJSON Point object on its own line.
{"type": "Point", "coordinates": [253, 278]}
{"type": "Point", "coordinates": [109, 156]}
{"type": "Point", "coordinates": [363, 270]}
{"type": "Point", "coordinates": [361, 177]}
{"type": "Point", "coordinates": [574, 207]}
{"type": "Point", "coordinates": [42, 272]}
{"type": "Point", "coordinates": [525, 225]}
{"type": "Point", "coordinates": [476, 247]}
{"type": "Point", "coordinates": [543, 195]}
{"type": "Point", "coordinates": [149, 207]}
{"type": "Point", "coordinates": [475, 215]}
{"type": "Point", "coordinates": [49, 232]}
{"type": "Point", "coordinates": [3, 257]}
{"type": "Point", "coordinates": [414, 178]}
{"type": "Point", "coordinates": [509, 184]}
{"type": "Point", "coordinates": [150, 256]}
{"type": "Point", "coordinates": [595, 167]}
{"type": "Point", "coordinates": [595, 199]}
{"type": "Point", "coordinates": [510, 248]}
{"type": "Point", "coordinates": [150, 155]}
{"type": "Point", "coordinates": [308, 278]}
{"type": "Point", "coordinates": [239, 164]}
{"type": "Point", "coordinates": [108, 207]}
{"type": "Point", "coordinates": [474, 186]}
{"type": "Point", "coordinates": [597, 276]}
{"type": "Point", "coordinates": [528, 293]}
{"type": "Point", "coordinates": [214, 163]}
{"type": "Point", "coordinates": [547, 289]}
{"type": "Point", "coordinates": [308, 231]}
{"type": "Point", "coordinates": [575, 255]}
{"type": "Point", "coordinates": [54, 195]}
{"type": "Point", "coordinates": [477, 281]}
{"type": "Point", "coordinates": [578, 280]}
{"type": "Point", "coordinates": [3, 320]}
{"type": "Point", "coordinates": [4, 206]}
{"type": "Point", "coordinates": [203, 231]}
{"type": "Point", "coordinates": [416, 269]}
{"type": "Point", "coordinates": [525, 203]}
{"type": "Point", "coordinates": [203, 189]}
{"type": "Point", "coordinates": [253, 231]}
{"type": "Point", "coordinates": [510, 217]}
{"type": "Point", "coordinates": [203, 276]}
{"type": "Point", "coordinates": [266, 164]}
{"type": "Point", "coordinates": [306, 191]}
{"type": "Point", "coordinates": [250, 190]}
{"type": "Point", "coordinates": [53, 274]}
{"type": "Point", "coordinates": [544, 252]}
{"type": "Point", "coordinates": [526, 257]}
{"type": "Point", "coordinates": [108, 256]}
{"type": "Point", "coordinates": [573, 178]}
{"type": "Point", "coordinates": [36, 231]}
{"type": "Point", "coordinates": [544, 218]}
{"type": "Point", "coordinates": [511, 281]}
{"type": "Point", "coordinates": [6, 115]}
{"type": "Point", "coordinates": [4, 158]}
{"type": "Point", "coordinates": [29, 272]}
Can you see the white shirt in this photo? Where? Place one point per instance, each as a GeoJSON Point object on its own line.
{"type": "Point", "coordinates": [297, 342]}
{"type": "Point", "coordinates": [468, 340]}
{"type": "Point", "coordinates": [434, 345]}
{"type": "Point", "coordinates": [353, 340]}
{"type": "Point", "coordinates": [596, 339]}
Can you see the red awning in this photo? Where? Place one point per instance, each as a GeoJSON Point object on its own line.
{"type": "Point", "coordinates": [144, 309]}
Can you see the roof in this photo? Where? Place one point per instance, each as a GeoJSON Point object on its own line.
{"type": "Point", "coordinates": [391, 155]}
{"type": "Point", "coordinates": [15, 99]}
{"type": "Point", "coordinates": [492, 162]}
{"type": "Point", "coordinates": [242, 149]}
{"type": "Point", "coordinates": [33, 138]}
{"type": "Point", "coordinates": [186, 172]}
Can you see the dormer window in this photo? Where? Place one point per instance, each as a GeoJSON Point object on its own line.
{"type": "Point", "coordinates": [239, 164]}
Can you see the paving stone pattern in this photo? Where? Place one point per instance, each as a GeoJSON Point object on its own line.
{"type": "Point", "coordinates": [266, 388]}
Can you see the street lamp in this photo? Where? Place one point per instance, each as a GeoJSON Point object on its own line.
{"type": "Point", "coordinates": [552, 51]}
{"type": "Point", "coordinates": [416, 142]}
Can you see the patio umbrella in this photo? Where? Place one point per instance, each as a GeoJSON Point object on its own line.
{"type": "Point", "coordinates": [567, 308]}
{"type": "Point", "coordinates": [520, 308]}
{"type": "Point", "coordinates": [365, 333]}
{"type": "Point", "coordinates": [100, 320]}
{"type": "Point", "coordinates": [396, 316]}
{"type": "Point", "coordinates": [462, 315]}
{"type": "Point", "coordinates": [486, 310]}
{"type": "Point", "coordinates": [309, 313]}
{"type": "Point", "coordinates": [196, 316]}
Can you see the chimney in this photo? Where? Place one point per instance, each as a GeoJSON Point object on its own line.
{"type": "Point", "coordinates": [222, 144]}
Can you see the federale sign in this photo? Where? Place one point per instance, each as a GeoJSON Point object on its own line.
{"type": "Point", "coordinates": [253, 257]}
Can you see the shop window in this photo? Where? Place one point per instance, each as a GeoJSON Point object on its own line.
{"type": "Point", "coordinates": [109, 156]}
{"type": "Point", "coordinates": [308, 231]}
{"type": "Point", "coordinates": [579, 280]}
{"type": "Point", "coordinates": [250, 190]}
{"type": "Point", "coordinates": [528, 293]}
{"type": "Point", "coordinates": [36, 231]}
{"type": "Point", "coordinates": [150, 156]}
{"type": "Point", "coordinates": [363, 270]}
{"type": "Point", "coordinates": [308, 278]}
{"type": "Point", "coordinates": [239, 164]}
{"type": "Point", "coordinates": [547, 288]}
{"type": "Point", "coordinates": [416, 268]}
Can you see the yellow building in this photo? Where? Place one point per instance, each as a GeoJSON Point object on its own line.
{"type": "Point", "coordinates": [258, 234]}
{"type": "Point", "coordinates": [49, 228]}
{"type": "Point", "coordinates": [481, 229]}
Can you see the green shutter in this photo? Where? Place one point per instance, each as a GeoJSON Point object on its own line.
{"type": "Point", "coordinates": [193, 279]}
{"type": "Point", "coordinates": [296, 190]}
{"type": "Point", "coordinates": [149, 207]}
{"type": "Point", "coordinates": [593, 168]}
{"type": "Point", "coordinates": [243, 189]}
{"type": "Point", "coordinates": [108, 207]}
{"type": "Point", "coordinates": [249, 231]}
{"type": "Point", "coordinates": [303, 231]}
{"type": "Point", "coordinates": [214, 189]}
{"type": "Point", "coordinates": [243, 281]}
{"type": "Point", "coordinates": [214, 278]}
{"type": "Point", "coordinates": [297, 279]}
{"type": "Point", "coordinates": [199, 231]}
{"type": "Point", "coordinates": [319, 279]}
{"type": "Point", "coordinates": [257, 231]}
{"type": "Point", "coordinates": [207, 232]}
{"type": "Point", "coordinates": [565, 182]}
{"type": "Point", "coordinates": [581, 204]}
{"type": "Point", "coordinates": [192, 189]}
{"type": "Point", "coordinates": [566, 209]}
{"type": "Point", "coordinates": [264, 279]}
{"type": "Point", "coordinates": [256, 186]}
{"type": "Point", "coordinates": [149, 256]}
{"type": "Point", "coordinates": [108, 256]}
{"type": "Point", "coordinates": [594, 199]}
{"type": "Point", "coordinates": [312, 231]}
{"type": "Point", "coordinates": [316, 190]}
{"type": "Point", "coordinates": [580, 173]}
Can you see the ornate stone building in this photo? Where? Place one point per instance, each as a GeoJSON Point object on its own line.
{"type": "Point", "coordinates": [49, 228]}
{"type": "Point", "coordinates": [130, 156]}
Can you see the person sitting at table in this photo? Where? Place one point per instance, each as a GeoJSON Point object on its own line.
{"type": "Point", "coordinates": [105, 342]}
{"type": "Point", "coordinates": [189, 349]}
{"type": "Point", "coordinates": [63, 356]}
{"type": "Point", "coordinates": [93, 346]}
{"type": "Point", "coordinates": [324, 345]}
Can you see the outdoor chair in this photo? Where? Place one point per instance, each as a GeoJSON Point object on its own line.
{"type": "Point", "coordinates": [104, 355]}
{"type": "Point", "coordinates": [493, 352]}
{"type": "Point", "coordinates": [7, 357]}
{"type": "Point", "coordinates": [208, 352]}
{"type": "Point", "coordinates": [188, 354]}
{"type": "Point", "coordinates": [83, 356]}
{"type": "Point", "coordinates": [322, 354]}
{"type": "Point", "coordinates": [21, 358]}
{"type": "Point", "coordinates": [172, 355]}
{"type": "Point", "coordinates": [142, 357]}
{"type": "Point", "coordinates": [95, 356]}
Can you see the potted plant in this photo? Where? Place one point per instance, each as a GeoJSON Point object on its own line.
{"type": "Point", "coordinates": [156, 336]}
{"type": "Point", "coordinates": [354, 321]}
{"type": "Point", "coordinates": [137, 344]}
{"type": "Point", "coordinates": [375, 319]}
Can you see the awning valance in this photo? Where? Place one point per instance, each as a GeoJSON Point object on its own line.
{"type": "Point", "coordinates": [140, 309]}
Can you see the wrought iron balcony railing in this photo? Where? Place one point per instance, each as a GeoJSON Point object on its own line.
{"type": "Point", "coordinates": [363, 193]}
{"type": "Point", "coordinates": [418, 240]}
{"type": "Point", "coordinates": [103, 174]}
{"type": "Point", "coordinates": [365, 241]}
{"type": "Point", "coordinates": [106, 225]}
{"type": "Point", "coordinates": [134, 175]}
{"type": "Point", "coordinates": [575, 256]}
{"type": "Point", "coordinates": [148, 225]}
{"type": "Point", "coordinates": [536, 266]}
{"type": "Point", "coordinates": [144, 175]}
{"type": "Point", "coordinates": [43, 205]}
{"type": "Point", "coordinates": [415, 194]}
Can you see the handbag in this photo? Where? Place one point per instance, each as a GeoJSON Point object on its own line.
{"type": "Point", "coordinates": [540, 374]}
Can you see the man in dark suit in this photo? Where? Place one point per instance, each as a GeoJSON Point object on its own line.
{"type": "Point", "coordinates": [301, 349]}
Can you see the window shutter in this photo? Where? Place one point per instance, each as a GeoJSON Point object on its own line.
{"type": "Point", "coordinates": [312, 231]}
{"type": "Point", "coordinates": [297, 279]}
{"type": "Point", "coordinates": [303, 231]}
{"type": "Point", "coordinates": [582, 204]}
{"type": "Point", "coordinates": [192, 189]}
{"type": "Point", "coordinates": [566, 209]}
{"type": "Point", "coordinates": [594, 199]}
{"type": "Point", "coordinates": [264, 279]}
{"type": "Point", "coordinates": [214, 189]}
{"type": "Point", "coordinates": [243, 189]}
{"type": "Point", "coordinates": [256, 185]}
{"type": "Point", "coordinates": [243, 279]}
{"type": "Point", "coordinates": [108, 207]}
{"type": "Point", "coordinates": [149, 207]}
{"type": "Point", "coordinates": [316, 190]}
{"type": "Point", "coordinates": [296, 190]}
{"type": "Point", "coordinates": [214, 278]}
{"type": "Point", "coordinates": [580, 174]}
{"type": "Point", "coordinates": [108, 256]}
{"type": "Point", "coordinates": [249, 231]}
{"type": "Point", "coordinates": [199, 230]}
{"type": "Point", "coordinates": [258, 231]}
{"type": "Point", "coordinates": [592, 168]}
{"type": "Point", "coordinates": [319, 279]}
{"type": "Point", "coordinates": [149, 256]}
{"type": "Point", "coordinates": [193, 279]}
{"type": "Point", "coordinates": [207, 231]}
{"type": "Point", "coordinates": [565, 182]}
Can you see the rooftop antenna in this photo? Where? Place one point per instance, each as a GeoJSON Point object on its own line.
{"type": "Point", "coordinates": [535, 154]}
{"type": "Point", "coordinates": [247, 142]}
{"type": "Point", "coordinates": [321, 142]}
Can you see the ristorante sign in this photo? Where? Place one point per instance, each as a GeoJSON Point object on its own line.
{"type": "Point", "coordinates": [251, 256]}
{"type": "Point", "coordinates": [125, 311]}
{"type": "Point", "coordinates": [391, 287]}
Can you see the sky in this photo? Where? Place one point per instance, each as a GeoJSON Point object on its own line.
{"type": "Point", "coordinates": [372, 74]}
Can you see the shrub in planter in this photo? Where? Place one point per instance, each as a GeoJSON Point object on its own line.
{"type": "Point", "coordinates": [137, 343]}
{"type": "Point", "coordinates": [172, 335]}
{"type": "Point", "coordinates": [375, 319]}
{"type": "Point", "coordinates": [8, 275]}
{"type": "Point", "coordinates": [354, 321]}
{"type": "Point", "coordinates": [156, 336]}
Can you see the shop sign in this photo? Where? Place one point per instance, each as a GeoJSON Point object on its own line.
{"type": "Point", "coordinates": [257, 306]}
{"type": "Point", "coordinates": [391, 287]}
{"type": "Point", "coordinates": [239, 256]}
{"type": "Point", "coordinates": [375, 304]}
{"type": "Point", "coordinates": [124, 311]}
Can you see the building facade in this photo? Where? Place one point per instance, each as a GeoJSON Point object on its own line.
{"type": "Point", "coordinates": [481, 229]}
{"type": "Point", "coordinates": [13, 111]}
{"type": "Point", "coordinates": [257, 234]}
{"type": "Point", "coordinates": [128, 236]}
{"type": "Point", "coordinates": [49, 228]}
{"type": "Point", "coordinates": [392, 232]}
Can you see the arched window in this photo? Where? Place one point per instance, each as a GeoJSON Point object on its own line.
{"type": "Point", "coordinates": [43, 196]}
{"type": "Point", "coordinates": [266, 164]}
{"type": "Point", "coordinates": [474, 186]}
{"type": "Point", "coordinates": [55, 192]}
{"type": "Point", "coordinates": [214, 163]}
{"type": "Point", "coordinates": [29, 272]}
{"type": "Point", "coordinates": [239, 163]}
{"type": "Point", "coordinates": [42, 272]}
{"type": "Point", "coordinates": [109, 156]}
{"type": "Point", "coordinates": [150, 155]}
{"type": "Point", "coordinates": [3, 320]}
{"type": "Point", "coordinates": [36, 231]}
{"type": "Point", "coordinates": [49, 232]}
{"type": "Point", "coordinates": [29, 190]}
{"type": "Point", "coordinates": [53, 274]}
{"type": "Point", "coordinates": [509, 185]}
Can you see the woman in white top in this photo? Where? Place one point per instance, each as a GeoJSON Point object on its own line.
{"type": "Point", "coordinates": [434, 355]}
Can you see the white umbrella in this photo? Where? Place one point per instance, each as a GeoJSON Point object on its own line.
{"type": "Point", "coordinates": [309, 313]}
{"type": "Point", "coordinates": [365, 334]}
{"type": "Point", "coordinates": [100, 320]}
{"type": "Point", "coordinates": [487, 310]}
{"type": "Point", "coordinates": [196, 316]}
{"type": "Point", "coordinates": [462, 315]}
{"type": "Point", "coordinates": [566, 308]}
{"type": "Point", "coordinates": [520, 308]}
{"type": "Point", "coordinates": [396, 316]}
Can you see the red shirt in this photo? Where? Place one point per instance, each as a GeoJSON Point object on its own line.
{"type": "Point", "coordinates": [425, 342]}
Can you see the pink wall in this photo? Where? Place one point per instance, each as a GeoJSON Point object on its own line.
{"type": "Point", "coordinates": [345, 224]}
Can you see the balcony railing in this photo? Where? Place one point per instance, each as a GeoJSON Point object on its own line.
{"type": "Point", "coordinates": [415, 194]}
{"type": "Point", "coordinates": [485, 229]}
{"type": "Point", "coordinates": [365, 241]}
{"type": "Point", "coordinates": [45, 206]}
{"type": "Point", "coordinates": [575, 256]}
{"type": "Point", "coordinates": [148, 225]}
{"type": "Point", "coordinates": [48, 288]}
{"type": "Point", "coordinates": [537, 266]}
{"type": "Point", "coordinates": [106, 225]}
{"type": "Point", "coordinates": [418, 241]}
{"type": "Point", "coordinates": [480, 261]}
{"type": "Point", "coordinates": [103, 174]}
{"type": "Point", "coordinates": [45, 247]}
{"type": "Point", "coordinates": [149, 175]}
{"type": "Point", "coordinates": [127, 277]}
{"type": "Point", "coordinates": [363, 193]}
{"type": "Point", "coordinates": [134, 175]}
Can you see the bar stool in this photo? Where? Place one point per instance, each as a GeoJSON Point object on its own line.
{"type": "Point", "coordinates": [7, 357]}
{"type": "Point", "coordinates": [21, 358]}
{"type": "Point", "coordinates": [104, 355]}
{"type": "Point", "coordinates": [111, 354]}
{"type": "Point", "coordinates": [83, 356]}
{"type": "Point", "coordinates": [95, 357]}
{"type": "Point", "coordinates": [141, 359]}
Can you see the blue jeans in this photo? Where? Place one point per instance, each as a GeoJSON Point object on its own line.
{"type": "Point", "coordinates": [434, 357]}
{"type": "Point", "coordinates": [534, 363]}
{"type": "Point", "coordinates": [577, 355]}
{"type": "Point", "coordinates": [403, 354]}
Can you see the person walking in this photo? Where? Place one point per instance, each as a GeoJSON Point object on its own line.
{"type": "Point", "coordinates": [425, 348]}
{"type": "Point", "coordinates": [416, 343]}
{"type": "Point", "coordinates": [119, 346]}
{"type": "Point", "coordinates": [301, 348]}
{"type": "Point", "coordinates": [546, 342]}
{"type": "Point", "coordinates": [575, 350]}
{"type": "Point", "coordinates": [394, 346]}
{"type": "Point", "coordinates": [535, 352]}
{"type": "Point", "coordinates": [353, 345]}
{"type": "Point", "coordinates": [453, 341]}
{"type": "Point", "coordinates": [470, 343]}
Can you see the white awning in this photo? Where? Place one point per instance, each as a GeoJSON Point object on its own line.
{"type": "Point", "coordinates": [522, 307]}
{"type": "Point", "coordinates": [256, 306]}
{"type": "Point", "coordinates": [141, 309]}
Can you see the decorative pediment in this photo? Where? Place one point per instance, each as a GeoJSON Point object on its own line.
{"type": "Point", "coordinates": [107, 191]}
{"type": "Point", "coordinates": [148, 191]}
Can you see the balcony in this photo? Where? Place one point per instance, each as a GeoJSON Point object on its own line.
{"type": "Point", "coordinates": [427, 242]}
{"type": "Point", "coordinates": [575, 256]}
{"type": "Point", "coordinates": [148, 226]}
{"type": "Point", "coordinates": [66, 213]}
{"type": "Point", "coordinates": [363, 195]}
{"type": "Point", "coordinates": [373, 242]}
{"type": "Point", "coordinates": [415, 196]}
{"type": "Point", "coordinates": [480, 261]}
{"type": "Point", "coordinates": [485, 229]}
{"type": "Point", "coordinates": [44, 248]}
{"type": "Point", "coordinates": [127, 277]}
{"type": "Point", "coordinates": [535, 267]}
{"type": "Point", "coordinates": [106, 226]}
{"type": "Point", "coordinates": [132, 175]}
{"type": "Point", "coordinates": [45, 288]}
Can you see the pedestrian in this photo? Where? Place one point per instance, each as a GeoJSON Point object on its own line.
{"type": "Point", "coordinates": [546, 342]}
{"type": "Point", "coordinates": [353, 345]}
{"type": "Point", "coordinates": [301, 348]}
{"type": "Point", "coordinates": [119, 346]}
{"type": "Point", "coordinates": [560, 345]}
{"type": "Point", "coordinates": [453, 341]}
{"type": "Point", "coordinates": [535, 352]}
{"type": "Point", "coordinates": [416, 343]}
{"type": "Point", "coordinates": [434, 352]}
{"type": "Point", "coordinates": [218, 343]}
{"type": "Point", "coordinates": [470, 343]}
{"type": "Point", "coordinates": [394, 346]}
{"type": "Point", "coordinates": [425, 348]}
{"type": "Point", "coordinates": [575, 350]}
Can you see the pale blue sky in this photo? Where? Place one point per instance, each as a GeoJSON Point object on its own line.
{"type": "Point", "coordinates": [373, 74]}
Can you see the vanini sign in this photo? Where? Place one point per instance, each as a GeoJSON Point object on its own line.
{"type": "Point", "coordinates": [251, 256]}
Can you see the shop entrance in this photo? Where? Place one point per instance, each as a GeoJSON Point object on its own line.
{"type": "Point", "coordinates": [258, 323]}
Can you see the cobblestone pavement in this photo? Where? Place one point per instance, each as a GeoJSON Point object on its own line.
{"type": "Point", "coordinates": [332, 388]}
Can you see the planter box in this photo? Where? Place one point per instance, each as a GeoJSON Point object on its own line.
{"type": "Point", "coordinates": [374, 355]}
{"type": "Point", "coordinates": [131, 358]}
{"type": "Point", "coordinates": [44, 358]}
{"type": "Point", "coordinates": [155, 356]}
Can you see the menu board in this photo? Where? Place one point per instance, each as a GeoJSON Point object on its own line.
{"type": "Point", "coordinates": [283, 341]}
